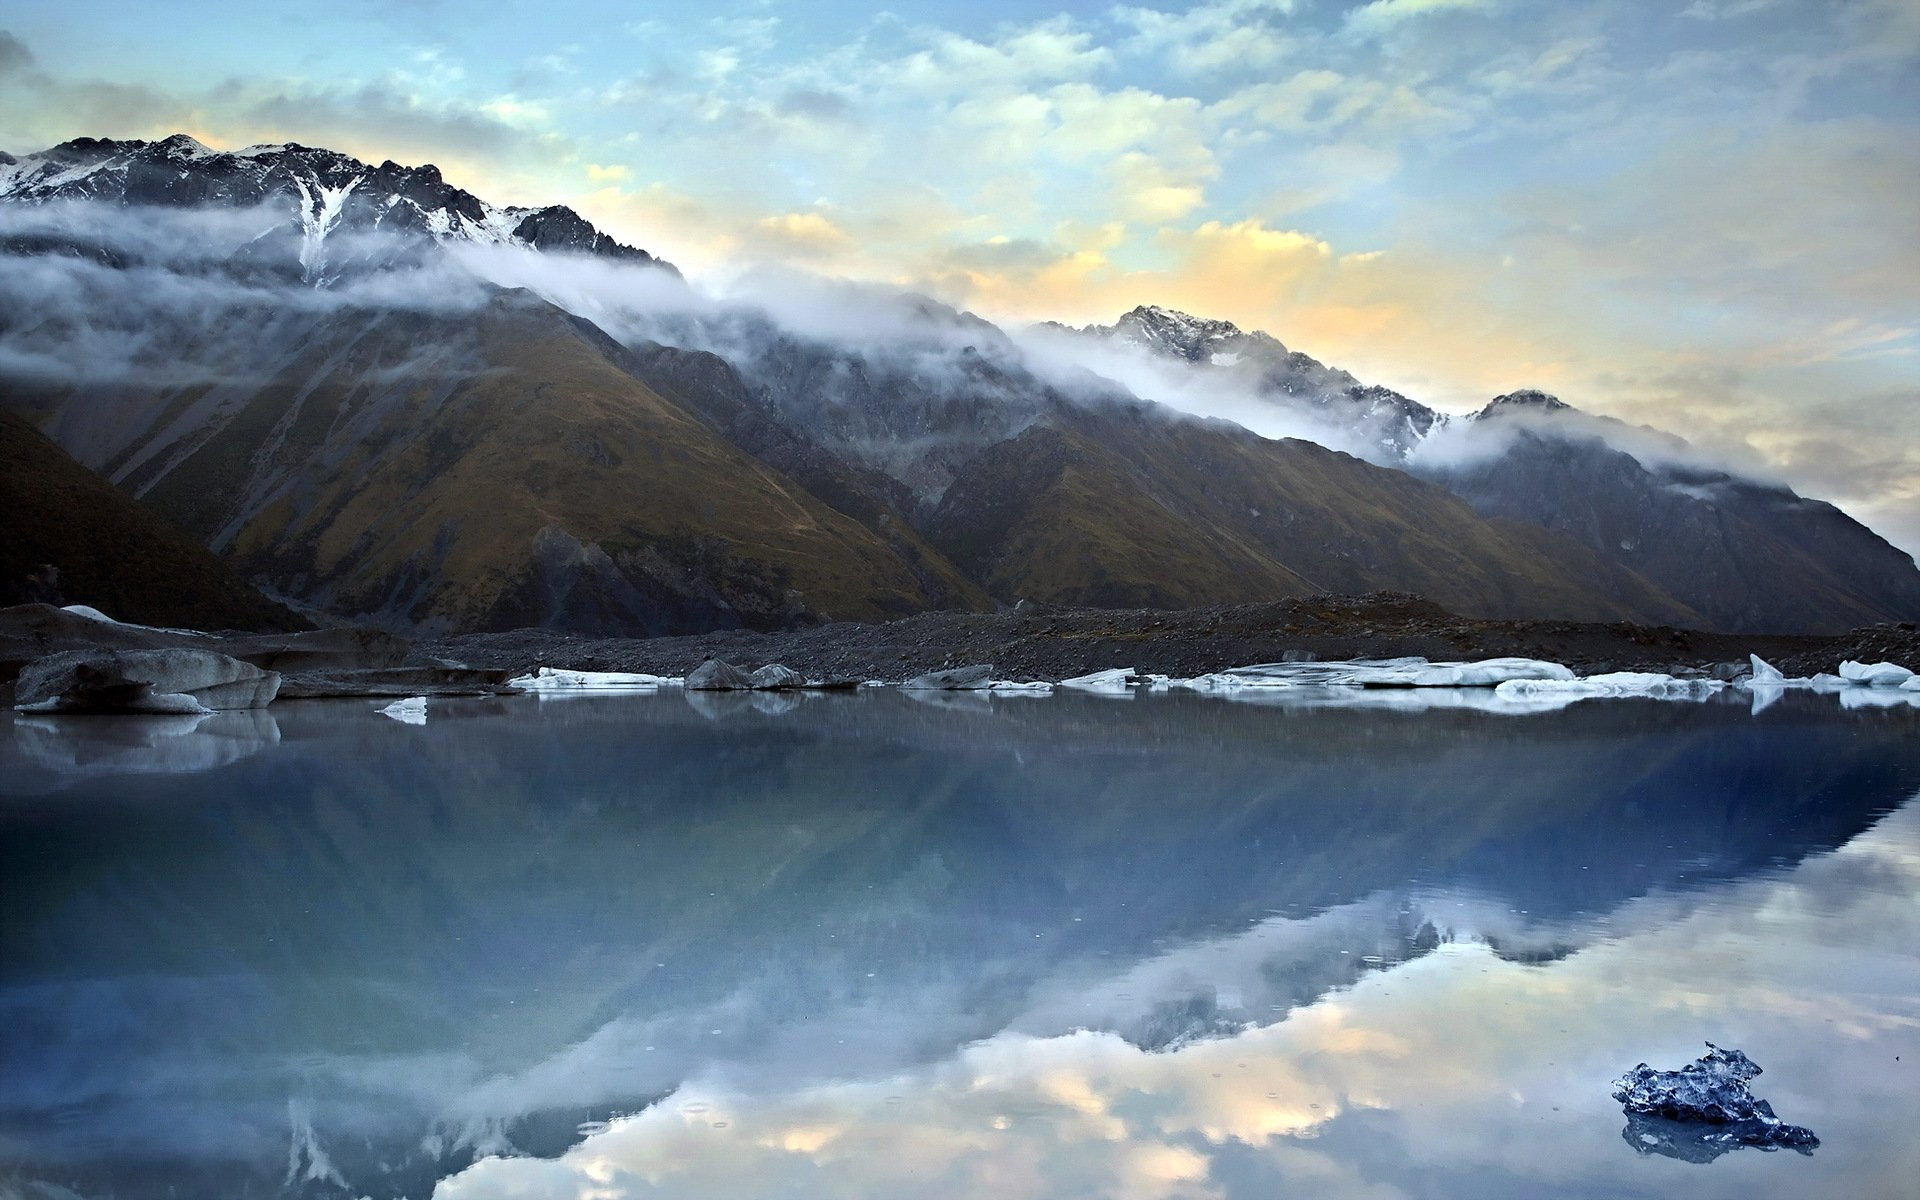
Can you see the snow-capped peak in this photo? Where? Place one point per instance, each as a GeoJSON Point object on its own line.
{"type": "Point", "coordinates": [1196, 339]}
{"type": "Point", "coordinates": [1525, 400]}
{"type": "Point", "coordinates": [323, 192]}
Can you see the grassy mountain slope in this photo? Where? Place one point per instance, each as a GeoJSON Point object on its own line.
{"type": "Point", "coordinates": [1749, 557]}
{"type": "Point", "coordinates": [1117, 506]}
{"type": "Point", "coordinates": [112, 552]}
{"type": "Point", "coordinates": [496, 469]}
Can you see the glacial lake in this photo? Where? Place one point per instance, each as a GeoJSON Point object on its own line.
{"type": "Point", "coordinates": [874, 945]}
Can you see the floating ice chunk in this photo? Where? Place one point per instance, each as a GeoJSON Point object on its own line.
{"type": "Point", "coordinates": [1489, 672]}
{"type": "Point", "coordinates": [1222, 681]}
{"type": "Point", "coordinates": [1911, 685]}
{"type": "Point", "coordinates": [553, 679]}
{"type": "Point", "coordinates": [1380, 673]}
{"type": "Point", "coordinates": [1619, 683]}
{"type": "Point", "coordinates": [1712, 1090]}
{"type": "Point", "coordinates": [953, 679]}
{"type": "Point", "coordinates": [1882, 674]}
{"type": "Point", "coordinates": [1008, 687]}
{"type": "Point", "coordinates": [411, 711]}
{"type": "Point", "coordinates": [1117, 681]}
{"type": "Point", "coordinates": [1765, 672]}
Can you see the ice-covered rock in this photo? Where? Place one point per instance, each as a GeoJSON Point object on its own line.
{"type": "Point", "coordinates": [774, 677]}
{"type": "Point", "coordinates": [553, 679]}
{"type": "Point", "coordinates": [1118, 681]}
{"type": "Point", "coordinates": [1712, 1090]}
{"type": "Point", "coordinates": [716, 676]}
{"type": "Point", "coordinates": [143, 681]}
{"type": "Point", "coordinates": [953, 679]}
{"type": "Point", "coordinates": [411, 711]}
{"type": "Point", "coordinates": [1882, 674]}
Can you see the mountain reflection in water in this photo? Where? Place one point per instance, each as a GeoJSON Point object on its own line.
{"type": "Point", "coordinates": [859, 945]}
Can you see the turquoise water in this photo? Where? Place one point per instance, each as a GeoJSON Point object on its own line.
{"type": "Point", "coordinates": [849, 946]}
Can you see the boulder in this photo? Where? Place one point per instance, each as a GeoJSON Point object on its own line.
{"type": "Point", "coordinates": [773, 678]}
{"type": "Point", "coordinates": [953, 679]}
{"type": "Point", "coordinates": [716, 676]}
{"type": "Point", "coordinates": [143, 681]}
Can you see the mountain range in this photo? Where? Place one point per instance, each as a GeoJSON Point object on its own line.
{"type": "Point", "coordinates": [379, 398]}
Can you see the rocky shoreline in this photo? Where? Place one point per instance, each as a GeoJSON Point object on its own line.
{"type": "Point", "coordinates": [1027, 643]}
{"type": "Point", "coordinates": [1038, 643]}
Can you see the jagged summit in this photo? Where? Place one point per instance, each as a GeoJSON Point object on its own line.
{"type": "Point", "coordinates": [1391, 424]}
{"type": "Point", "coordinates": [1196, 339]}
{"type": "Point", "coordinates": [327, 192]}
{"type": "Point", "coordinates": [1528, 400]}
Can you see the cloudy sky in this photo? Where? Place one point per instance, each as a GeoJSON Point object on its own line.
{"type": "Point", "coordinates": [1700, 214]}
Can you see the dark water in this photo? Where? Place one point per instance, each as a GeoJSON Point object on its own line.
{"type": "Point", "coordinates": [864, 946]}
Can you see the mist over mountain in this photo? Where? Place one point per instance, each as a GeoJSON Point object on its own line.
{"type": "Point", "coordinates": [379, 395]}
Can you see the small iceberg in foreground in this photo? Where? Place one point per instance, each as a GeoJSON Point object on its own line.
{"type": "Point", "coordinates": [1712, 1092]}
{"type": "Point", "coordinates": [411, 711]}
{"type": "Point", "coordinates": [1880, 674]}
{"type": "Point", "coordinates": [1378, 673]}
{"type": "Point", "coordinates": [554, 679]}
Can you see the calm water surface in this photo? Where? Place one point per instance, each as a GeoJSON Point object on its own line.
{"type": "Point", "coordinates": [865, 946]}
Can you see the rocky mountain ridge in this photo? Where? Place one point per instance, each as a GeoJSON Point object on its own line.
{"type": "Point", "coordinates": [498, 460]}
{"type": "Point", "coordinates": [325, 192]}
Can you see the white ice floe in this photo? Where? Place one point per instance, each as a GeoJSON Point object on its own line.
{"type": "Point", "coordinates": [1856, 684]}
{"type": "Point", "coordinates": [1651, 684]}
{"type": "Point", "coordinates": [1378, 673]}
{"type": "Point", "coordinates": [553, 679]}
{"type": "Point", "coordinates": [1116, 682]}
{"type": "Point", "coordinates": [1008, 687]}
{"type": "Point", "coordinates": [1882, 674]}
{"type": "Point", "coordinates": [411, 711]}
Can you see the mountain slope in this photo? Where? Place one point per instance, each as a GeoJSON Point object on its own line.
{"type": "Point", "coordinates": [1741, 554]}
{"type": "Point", "coordinates": [1123, 506]}
{"type": "Point", "coordinates": [111, 551]}
{"type": "Point", "coordinates": [483, 470]}
{"type": "Point", "coordinates": [1749, 556]}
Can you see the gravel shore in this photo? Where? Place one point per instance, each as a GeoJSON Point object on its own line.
{"type": "Point", "coordinates": [1051, 644]}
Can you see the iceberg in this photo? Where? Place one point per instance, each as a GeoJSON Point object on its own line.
{"type": "Point", "coordinates": [1651, 684]}
{"type": "Point", "coordinates": [1881, 674]}
{"type": "Point", "coordinates": [953, 679]}
{"type": "Point", "coordinates": [1009, 687]}
{"type": "Point", "coordinates": [143, 681]}
{"type": "Point", "coordinates": [1378, 673]}
{"type": "Point", "coordinates": [1712, 1091]}
{"type": "Point", "coordinates": [411, 711]}
{"type": "Point", "coordinates": [1116, 682]}
{"type": "Point", "coordinates": [553, 679]}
